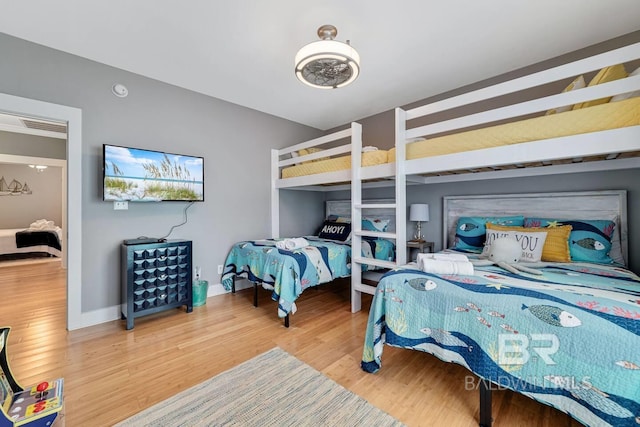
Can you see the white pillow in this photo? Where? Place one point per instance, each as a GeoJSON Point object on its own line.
{"type": "Point", "coordinates": [628, 95]}
{"type": "Point", "coordinates": [532, 243]}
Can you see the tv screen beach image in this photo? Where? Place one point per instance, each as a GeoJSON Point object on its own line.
{"type": "Point", "coordinates": [143, 175]}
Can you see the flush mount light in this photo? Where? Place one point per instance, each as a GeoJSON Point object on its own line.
{"type": "Point", "coordinates": [328, 63]}
{"type": "Point", "coordinates": [120, 90]}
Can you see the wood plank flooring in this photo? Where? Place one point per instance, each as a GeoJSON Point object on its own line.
{"type": "Point", "coordinates": [111, 374]}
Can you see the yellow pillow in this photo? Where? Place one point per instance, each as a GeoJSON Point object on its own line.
{"type": "Point", "coordinates": [311, 150]}
{"type": "Point", "coordinates": [577, 83]}
{"type": "Point", "coordinates": [556, 246]}
{"type": "Point", "coordinates": [607, 74]}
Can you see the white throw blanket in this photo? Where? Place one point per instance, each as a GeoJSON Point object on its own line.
{"type": "Point", "coordinates": [440, 263]}
{"type": "Point", "coordinates": [45, 225]}
{"type": "Point", "coordinates": [292, 244]}
{"type": "Point", "coordinates": [42, 224]}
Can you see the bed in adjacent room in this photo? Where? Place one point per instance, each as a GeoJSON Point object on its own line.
{"type": "Point", "coordinates": [42, 237]}
{"type": "Point", "coordinates": [568, 338]}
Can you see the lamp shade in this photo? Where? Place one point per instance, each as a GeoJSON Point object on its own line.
{"type": "Point", "coordinates": [419, 212]}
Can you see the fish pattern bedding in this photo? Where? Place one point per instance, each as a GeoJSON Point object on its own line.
{"type": "Point", "coordinates": [289, 273]}
{"type": "Point", "coordinates": [569, 338]}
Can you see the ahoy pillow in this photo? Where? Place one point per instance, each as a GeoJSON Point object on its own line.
{"type": "Point", "coordinates": [340, 231]}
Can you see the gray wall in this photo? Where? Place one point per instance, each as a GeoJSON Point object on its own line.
{"type": "Point", "coordinates": [44, 202]}
{"type": "Point", "coordinates": [235, 142]}
{"type": "Point", "coordinates": [433, 193]}
{"type": "Point", "coordinates": [19, 144]}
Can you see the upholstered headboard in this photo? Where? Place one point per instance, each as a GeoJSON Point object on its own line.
{"type": "Point", "coordinates": [343, 208]}
{"type": "Point", "coordinates": [611, 205]}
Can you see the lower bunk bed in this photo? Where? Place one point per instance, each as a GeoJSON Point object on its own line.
{"type": "Point", "coordinates": [288, 273]}
{"type": "Point", "coordinates": [568, 338]}
{"type": "Point", "coordinates": [289, 266]}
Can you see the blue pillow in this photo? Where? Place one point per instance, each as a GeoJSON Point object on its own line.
{"type": "Point", "coordinates": [368, 224]}
{"type": "Point", "coordinates": [375, 224]}
{"type": "Point", "coordinates": [471, 231]}
{"type": "Point", "coordinates": [589, 241]}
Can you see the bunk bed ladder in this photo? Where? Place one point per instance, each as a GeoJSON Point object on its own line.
{"type": "Point", "coordinates": [399, 235]}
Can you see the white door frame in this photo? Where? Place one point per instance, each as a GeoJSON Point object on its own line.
{"type": "Point", "coordinates": [72, 222]}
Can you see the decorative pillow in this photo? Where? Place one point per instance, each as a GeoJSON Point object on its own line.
{"type": "Point", "coordinates": [306, 151]}
{"type": "Point", "coordinates": [531, 242]}
{"type": "Point", "coordinates": [340, 231]}
{"type": "Point", "coordinates": [577, 83]}
{"type": "Point", "coordinates": [375, 224]}
{"type": "Point", "coordinates": [556, 245]}
{"type": "Point", "coordinates": [368, 224]}
{"type": "Point", "coordinates": [628, 95]}
{"type": "Point", "coordinates": [607, 74]}
{"type": "Point", "coordinates": [589, 241]}
{"type": "Point", "coordinates": [471, 231]}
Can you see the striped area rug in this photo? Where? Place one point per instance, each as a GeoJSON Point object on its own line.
{"type": "Point", "coordinates": [272, 389]}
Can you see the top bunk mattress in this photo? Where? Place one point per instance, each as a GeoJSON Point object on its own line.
{"type": "Point", "coordinates": [369, 158]}
{"type": "Point", "coordinates": [597, 118]}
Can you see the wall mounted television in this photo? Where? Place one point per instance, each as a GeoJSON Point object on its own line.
{"type": "Point", "coordinates": [137, 175]}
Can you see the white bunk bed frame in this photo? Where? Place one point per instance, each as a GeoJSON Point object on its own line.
{"type": "Point", "coordinates": [356, 175]}
{"type": "Point", "coordinates": [491, 163]}
{"type": "Point", "coordinates": [472, 165]}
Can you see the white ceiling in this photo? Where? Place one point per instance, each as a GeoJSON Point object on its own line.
{"type": "Point", "coordinates": [242, 50]}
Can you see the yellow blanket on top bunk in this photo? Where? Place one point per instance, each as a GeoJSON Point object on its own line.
{"type": "Point", "coordinates": [369, 158]}
{"type": "Point", "coordinates": [597, 118]}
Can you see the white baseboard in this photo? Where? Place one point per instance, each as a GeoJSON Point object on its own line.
{"type": "Point", "coordinates": [217, 288]}
{"type": "Point", "coordinates": [109, 314]}
{"type": "Point", "coordinates": [96, 317]}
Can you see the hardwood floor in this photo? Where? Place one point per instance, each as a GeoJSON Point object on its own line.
{"type": "Point", "coordinates": [111, 374]}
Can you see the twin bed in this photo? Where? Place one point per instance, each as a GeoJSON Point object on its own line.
{"type": "Point", "coordinates": [288, 272]}
{"type": "Point", "coordinates": [26, 241]}
{"type": "Point", "coordinates": [568, 338]}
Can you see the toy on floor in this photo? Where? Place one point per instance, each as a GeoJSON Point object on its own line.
{"type": "Point", "coordinates": [36, 406]}
{"type": "Point", "coordinates": [505, 253]}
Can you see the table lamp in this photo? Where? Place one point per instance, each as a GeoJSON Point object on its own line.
{"type": "Point", "coordinates": [419, 213]}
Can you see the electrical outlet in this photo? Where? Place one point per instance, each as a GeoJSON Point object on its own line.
{"type": "Point", "coordinates": [220, 269]}
{"type": "Point", "coordinates": [120, 206]}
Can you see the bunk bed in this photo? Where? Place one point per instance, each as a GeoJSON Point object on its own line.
{"type": "Point", "coordinates": [322, 164]}
{"type": "Point", "coordinates": [460, 146]}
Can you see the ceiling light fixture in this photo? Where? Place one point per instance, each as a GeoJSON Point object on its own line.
{"type": "Point", "coordinates": [327, 64]}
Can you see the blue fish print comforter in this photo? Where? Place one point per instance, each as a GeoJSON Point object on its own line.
{"type": "Point", "coordinates": [289, 273]}
{"type": "Point", "coordinates": [569, 338]}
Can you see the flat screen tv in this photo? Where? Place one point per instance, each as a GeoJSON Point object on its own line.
{"type": "Point", "coordinates": [137, 175]}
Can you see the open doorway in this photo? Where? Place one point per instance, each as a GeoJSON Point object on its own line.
{"type": "Point", "coordinates": [72, 183]}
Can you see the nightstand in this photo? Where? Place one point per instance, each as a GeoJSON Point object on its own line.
{"type": "Point", "coordinates": [422, 247]}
